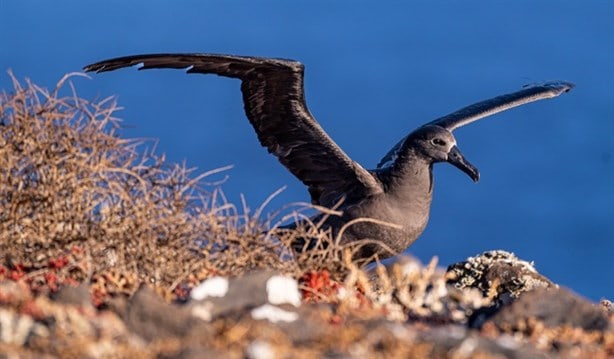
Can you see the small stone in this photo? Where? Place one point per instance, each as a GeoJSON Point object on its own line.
{"type": "Point", "coordinates": [553, 307]}
{"type": "Point", "coordinates": [273, 314]}
{"type": "Point", "coordinates": [282, 290]}
{"type": "Point", "coordinates": [497, 273]}
{"type": "Point", "coordinates": [259, 349]}
{"type": "Point", "coordinates": [79, 295]}
{"type": "Point", "coordinates": [212, 287]}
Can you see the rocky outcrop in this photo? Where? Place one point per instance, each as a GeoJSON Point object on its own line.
{"type": "Point", "coordinates": [492, 305]}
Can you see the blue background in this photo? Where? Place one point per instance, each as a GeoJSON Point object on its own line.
{"type": "Point", "coordinates": [373, 73]}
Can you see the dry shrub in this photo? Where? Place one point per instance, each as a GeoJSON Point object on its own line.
{"type": "Point", "coordinates": [67, 180]}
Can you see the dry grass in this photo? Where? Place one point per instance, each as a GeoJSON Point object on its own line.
{"type": "Point", "coordinates": [70, 184]}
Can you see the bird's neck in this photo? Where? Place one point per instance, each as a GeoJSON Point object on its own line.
{"type": "Point", "coordinates": [411, 178]}
{"type": "Point", "coordinates": [410, 190]}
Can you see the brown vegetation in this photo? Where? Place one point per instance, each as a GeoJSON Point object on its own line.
{"type": "Point", "coordinates": [73, 191]}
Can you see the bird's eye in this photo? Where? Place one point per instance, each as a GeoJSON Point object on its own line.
{"type": "Point", "coordinates": [438, 142]}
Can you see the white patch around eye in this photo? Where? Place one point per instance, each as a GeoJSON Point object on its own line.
{"type": "Point", "coordinates": [452, 144]}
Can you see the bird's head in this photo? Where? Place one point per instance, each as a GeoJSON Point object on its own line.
{"type": "Point", "coordinates": [437, 144]}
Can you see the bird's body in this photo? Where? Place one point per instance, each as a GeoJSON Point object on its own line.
{"type": "Point", "coordinates": [398, 192]}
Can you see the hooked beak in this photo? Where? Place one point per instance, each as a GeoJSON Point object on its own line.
{"type": "Point", "coordinates": [455, 157]}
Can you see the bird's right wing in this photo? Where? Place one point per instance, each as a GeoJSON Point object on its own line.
{"type": "Point", "coordinates": [486, 108]}
{"type": "Point", "coordinates": [275, 105]}
{"type": "Point", "coordinates": [489, 107]}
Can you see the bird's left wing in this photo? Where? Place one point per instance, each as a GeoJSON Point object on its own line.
{"type": "Point", "coordinates": [275, 105]}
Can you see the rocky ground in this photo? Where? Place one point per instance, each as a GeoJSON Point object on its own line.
{"type": "Point", "coordinates": [491, 306]}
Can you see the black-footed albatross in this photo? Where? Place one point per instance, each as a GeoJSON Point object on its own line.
{"type": "Point", "coordinates": [398, 191]}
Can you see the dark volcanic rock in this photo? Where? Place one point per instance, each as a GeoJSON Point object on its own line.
{"type": "Point", "coordinates": [151, 318]}
{"type": "Point", "coordinates": [553, 307]}
{"type": "Point", "coordinates": [459, 342]}
{"type": "Point", "coordinates": [79, 295]}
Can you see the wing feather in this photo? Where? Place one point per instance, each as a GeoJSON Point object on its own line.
{"type": "Point", "coordinates": [275, 105]}
{"type": "Point", "coordinates": [482, 109]}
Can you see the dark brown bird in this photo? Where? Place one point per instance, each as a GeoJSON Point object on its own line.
{"type": "Point", "coordinates": [398, 191]}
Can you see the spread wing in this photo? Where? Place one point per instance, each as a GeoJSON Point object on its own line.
{"type": "Point", "coordinates": [489, 107]}
{"type": "Point", "coordinates": [275, 105]}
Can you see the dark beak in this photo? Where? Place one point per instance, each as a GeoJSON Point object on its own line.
{"type": "Point", "coordinates": [456, 158]}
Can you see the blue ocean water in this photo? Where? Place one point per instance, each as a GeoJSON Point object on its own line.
{"type": "Point", "coordinates": [374, 73]}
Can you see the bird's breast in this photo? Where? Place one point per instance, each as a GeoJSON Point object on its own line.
{"type": "Point", "coordinates": [397, 223]}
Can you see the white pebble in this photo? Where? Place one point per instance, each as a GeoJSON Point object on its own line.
{"type": "Point", "coordinates": [282, 289]}
{"type": "Point", "coordinates": [212, 287]}
{"type": "Point", "coordinates": [273, 314]}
